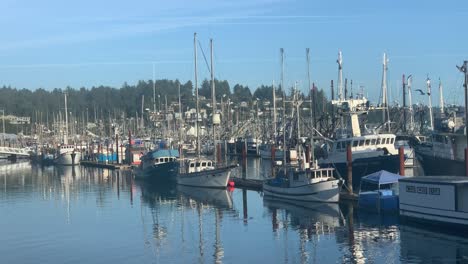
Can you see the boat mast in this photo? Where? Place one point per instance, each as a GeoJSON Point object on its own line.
{"type": "Point", "coordinates": [274, 113]}
{"type": "Point", "coordinates": [428, 83]}
{"type": "Point", "coordinates": [340, 75]}
{"type": "Point", "coordinates": [385, 112]}
{"type": "Point", "coordinates": [284, 106]}
{"type": "Point", "coordinates": [213, 99]}
{"type": "Point", "coordinates": [441, 97]}
{"type": "Point", "coordinates": [464, 69]}
{"type": "Point", "coordinates": [65, 137]}
{"type": "Point", "coordinates": [196, 93]}
{"type": "Point", "coordinates": [154, 89]}
{"type": "Point", "coordinates": [181, 120]}
{"type": "Point", "coordinates": [312, 117]}
{"type": "Point", "coordinates": [409, 80]}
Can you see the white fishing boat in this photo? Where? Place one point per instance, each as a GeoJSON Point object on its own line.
{"type": "Point", "coordinates": [68, 155]}
{"type": "Point", "coordinates": [314, 185]}
{"type": "Point", "coordinates": [202, 172]}
{"type": "Point", "coordinates": [435, 199]}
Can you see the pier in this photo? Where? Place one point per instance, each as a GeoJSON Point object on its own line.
{"type": "Point", "coordinates": [94, 164]}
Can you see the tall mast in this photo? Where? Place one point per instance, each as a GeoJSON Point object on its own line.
{"type": "Point", "coordinates": [404, 103]}
{"type": "Point", "coordinates": [409, 80]}
{"type": "Point", "coordinates": [154, 89]}
{"type": "Point", "coordinates": [274, 113]}
{"type": "Point", "coordinates": [384, 92]}
{"type": "Point", "coordinates": [213, 98]}
{"type": "Point", "coordinates": [441, 97]}
{"type": "Point", "coordinates": [284, 106]}
{"type": "Point", "coordinates": [464, 69]}
{"type": "Point", "coordinates": [65, 137]}
{"type": "Point", "coordinates": [196, 93]}
{"type": "Point", "coordinates": [312, 114]}
{"type": "Point", "coordinates": [181, 120]}
{"type": "Point", "coordinates": [340, 76]}
{"type": "Point", "coordinates": [428, 83]}
{"type": "Point", "coordinates": [310, 89]}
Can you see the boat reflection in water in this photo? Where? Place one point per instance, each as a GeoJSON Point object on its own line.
{"type": "Point", "coordinates": [421, 245]}
{"type": "Point", "coordinates": [319, 217]}
{"type": "Point", "coordinates": [203, 208]}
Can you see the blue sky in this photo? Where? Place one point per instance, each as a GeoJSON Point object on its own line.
{"type": "Point", "coordinates": [54, 43]}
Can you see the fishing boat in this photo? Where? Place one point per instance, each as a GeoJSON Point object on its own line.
{"type": "Point", "coordinates": [159, 165]}
{"type": "Point", "coordinates": [314, 185]}
{"type": "Point", "coordinates": [203, 172]}
{"type": "Point", "coordinates": [67, 154]}
{"type": "Point", "coordinates": [371, 151]}
{"type": "Point", "coordinates": [437, 200]}
{"type": "Point", "coordinates": [444, 151]}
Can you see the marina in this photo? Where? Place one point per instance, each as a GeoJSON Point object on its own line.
{"type": "Point", "coordinates": [148, 223]}
{"type": "Point", "coordinates": [233, 132]}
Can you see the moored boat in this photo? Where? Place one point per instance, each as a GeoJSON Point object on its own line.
{"type": "Point", "coordinates": [314, 185]}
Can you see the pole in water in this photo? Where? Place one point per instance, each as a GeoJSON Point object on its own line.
{"type": "Point", "coordinates": [466, 161]}
{"type": "Point", "coordinates": [273, 155]}
{"type": "Point", "coordinates": [349, 160]}
{"type": "Point", "coordinates": [401, 154]}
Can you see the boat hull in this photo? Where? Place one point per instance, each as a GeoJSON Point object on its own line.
{"type": "Point", "coordinates": [217, 178]}
{"type": "Point", "coordinates": [68, 159]}
{"type": "Point", "coordinates": [365, 166]}
{"type": "Point", "coordinates": [164, 172]}
{"type": "Point", "coordinates": [434, 166]}
{"type": "Point", "coordinates": [326, 191]}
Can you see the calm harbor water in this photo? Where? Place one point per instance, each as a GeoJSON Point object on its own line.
{"type": "Point", "coordinates": [81, 215]}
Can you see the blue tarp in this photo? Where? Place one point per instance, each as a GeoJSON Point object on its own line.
{"type": "Point", "coordinates": [382, 177]}
{"type": "Point", "coordinates": [161, 153]}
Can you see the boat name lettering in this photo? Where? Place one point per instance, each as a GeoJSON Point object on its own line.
{"type": "Point", "coordinates": [410, 188]}
{"type": "Point", "coordinates": [434, 191]}
{"type": "Point", "coordinates": [422, 190]}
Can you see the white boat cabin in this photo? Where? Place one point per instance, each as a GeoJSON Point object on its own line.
{"type": "Point", "coordinates": [66, 149]}
{"type": "Point", "coordinates": [197, 165]}
{"type": "Point", "coordinates": [302, 177]}
{"type": "Point", "coordinates": [164, 160]}
{"type": "Point", "coordinates": [367, 142]}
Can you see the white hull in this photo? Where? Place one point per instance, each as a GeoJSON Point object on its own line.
{"type": "Point", "coordinates": [434, 215]}
{"type": "Point", "coordinates": [325, 191]}
{"type": "Point", "coordinates": [217, 178]}
{"type": "Point", "coordinates": [68, 159]}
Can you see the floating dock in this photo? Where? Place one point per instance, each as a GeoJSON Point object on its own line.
{"type": "Point", "coordinates": [110, 166]}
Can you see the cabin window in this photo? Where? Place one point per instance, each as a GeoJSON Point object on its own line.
{"type": "Point", "coordinates": [434, 191]}
{"type": "Point", "coordinates": [373, 141]}
{"type": "Point", "coordinates": [378, 141]}
{"type": "Point", "coordinates": [166, 159]}
{"type": "Point", "coordinates": [410, 188]}
{"type": "Point", "coordinates": [198, 164]}
{"type": "Point", "coordinates": [361, 143]}
{"type": "Point", "coordinates": [161, 160]}
{"type": "Point", "coordinates": [392, 140]}
{"type": "Point", "coordinates": [367, 142]}
{"type": "Point", "coordinates": [156, 161]}
{"type": "Point", "coordinates": [209, 164]}
{"type": "Point", "coordinates": [192, 165]}
{"type": "Point", "coordinates": [203, 164]}
{"type": "Point", "coordinates": [355, 143]}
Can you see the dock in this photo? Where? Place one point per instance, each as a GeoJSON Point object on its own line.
{"type": "Point", "coordinates": [110, 166]}
{"type": "Point", "coordinates": [251, 184]}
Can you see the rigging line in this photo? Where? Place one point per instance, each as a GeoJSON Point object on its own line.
{"type": "Point", "coordinates": [203, 53]}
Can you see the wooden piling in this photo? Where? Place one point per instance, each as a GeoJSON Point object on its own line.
{"type": "Point", "coordinates": [349, 160]}
{"type": "Point", "coordinates": [401, 154]}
